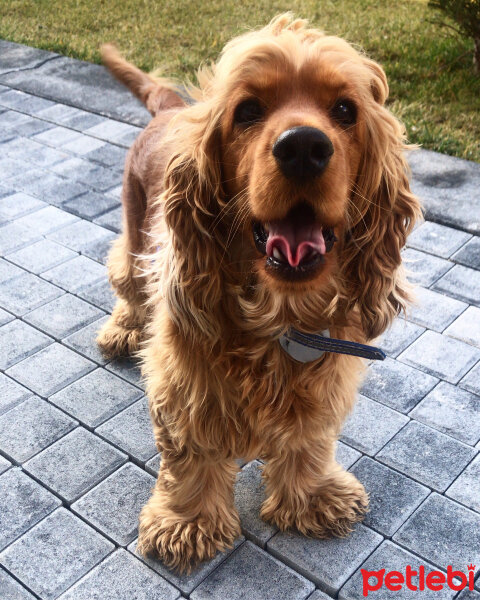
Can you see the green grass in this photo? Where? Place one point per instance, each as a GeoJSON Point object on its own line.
{"type": "Point", "coordinates": [433, 86]}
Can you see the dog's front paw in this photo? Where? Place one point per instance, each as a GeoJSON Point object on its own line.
{"type": "Point", "coordinates": [180, 544]}
{"type": "Point", "coordinates": [340, 503]}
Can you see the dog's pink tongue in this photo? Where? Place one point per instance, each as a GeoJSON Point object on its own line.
{"type": "Point", "coordinates": [294, 241]}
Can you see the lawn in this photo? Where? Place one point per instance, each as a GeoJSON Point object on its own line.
{"type": "Point", "coordinates": [433, 86]}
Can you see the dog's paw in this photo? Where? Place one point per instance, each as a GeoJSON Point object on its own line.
{"type": "Point", "coordinates": [181, 545]}
{"type": "Point", "coordinates": [117, 340]}
{"type": "Point", "coordinates": [332, 512]}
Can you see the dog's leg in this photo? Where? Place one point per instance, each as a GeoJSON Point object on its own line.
{"type": "Point", "coordinates": [308, 490]}
{"type": "Point", "coordinates": [191, 515]}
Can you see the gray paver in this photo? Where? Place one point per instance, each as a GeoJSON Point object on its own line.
{"type": "Point", "coordinates": [114, 131]}
{"type": "Point", "coordinates": [318, 595]}
{"type": "Point", "coordinates": [89, 206]}
{"type": "Point", "coordinates": [50, 370]}
{"type": "Point", "coordinates": [469, 595]}
{"type": "Point", "coordinates": [74, 464]}
{"type": "Point", "coordinates": [128, 369]}
{"type": "Point", "coordinates": [471, 381]}
{"type": "Point", "coordinates": [41, 256]}
{"type": "Point", "coordinates": [15, 236]}
{"type": "Point", "coordinates": [329, 563]}
{"type": "Point", "coordinates": [153, 465]}
{"type": "Point", "coordinates": [96, 397]}
{"type": "Point", "coordinates": [467, 327]}
{"type": "Point", "coordinates": [426, 455]}
{"type": "Point", "coordinates": [9, 271]}
{"type": "Point", "coordinates": [23, 503]}
{"type": "Point", "coordinates": [4, 464]}
{"type": "Point", "coordinates": [84, 341]}
{"type": "Point", "coordinates": [397, 385]}
{"type": "Point", "coordinates": [28, 292]}
{"type": "Point", "coordinates": [11, 393]}
{"type": "Point", "coordinates": [451, 410]}
{"type": "Point", "coordinates": [391, 557]}
{"type": "Point", "coordinates": [30, 427]}
{"type": "Point", "coordinates": [422, 268]}
{"type": "Point", "coordinates": [429, 533]}
{"type": "Point", "coordinates": [5, 317]}
{"type": "Point", "coordinates": [92, 174]}
{"type": "Point", "coordinates": [45, 184]}
{"type": "Point", "coordinates": [434, 310]}
{"type": "Point", "coordinates": [249, 496]}
{"type": "Point", "coordinates": [371, 425]}
{"type": "Point", "coordinates": [100, 294]}
{"type": "Point", "coordinates": [63, 316]}
{"type": "Point", "coordinates": [18, 205]}
{"type": "Point", "coordinates": [116, 577]}
{"type": "Point", "coordinates": [131, 430]}
{"type": "Point", "coordinates": [346, 456]}
{"type": "Point", "coordinates": [469, 255]}
{"type": "Point", "coordinates": [46, 219]}
{"type": "Point", "coordinates": [393, 497]}
{"type": "Point", "coordinates": [112, 219]}
{"type": "Point", "coordinates": [12, 589]}
{"type": "Point", "coordinates": [462, 283]}
{"type": "Point", "coordinates": [438, 239]}
{"type": "Point", "coordinates": [57, 137]}
{"type": "Point", "coordinates": [263, 578]}
{"type": "Point", "coordinates": [81, 235]}
{"type": "Point", "coordinates": [466, 489]}
{"type": "Point", "coordinates": [76, 273]}
{"type": "Point", "coordinates": [85, 144]}
{"type": "Point", "coordinates": [113, 506]}
{"type": "Point", "coordinates": [17, 56]}
{"type": "Point", "coordinates": [19, 340]}
{"type": "Point", "coordinates": [441, 356]}
{"type": "Point", "coordinates": [109, 155]}
{"type": "Point", "coordinates": [55, 554]}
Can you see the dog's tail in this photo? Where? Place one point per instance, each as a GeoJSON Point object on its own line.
{"type": "Point", "coordinates": [156, 93]}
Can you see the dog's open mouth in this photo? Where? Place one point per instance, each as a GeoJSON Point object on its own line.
{"type": "Point", "coordinates": [296, 245]}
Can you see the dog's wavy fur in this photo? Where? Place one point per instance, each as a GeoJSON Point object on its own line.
{"type": "Point", "coordinates": [194, 290]}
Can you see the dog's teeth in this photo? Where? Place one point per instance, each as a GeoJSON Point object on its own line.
{"type": "Point", "coordinates": [277, 254]}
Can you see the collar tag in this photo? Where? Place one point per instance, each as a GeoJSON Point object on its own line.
{"type": "Point", "coordinates": [300, 352]}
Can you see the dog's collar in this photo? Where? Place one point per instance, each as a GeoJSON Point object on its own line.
{"type": "Point", "coordinates": [307, 347]}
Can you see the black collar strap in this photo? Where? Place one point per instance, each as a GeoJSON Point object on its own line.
{"type": "Point", "coordinates": [307, 347]}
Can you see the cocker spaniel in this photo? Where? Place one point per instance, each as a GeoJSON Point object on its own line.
{"type": "Point", "coordinates": [277, 202]}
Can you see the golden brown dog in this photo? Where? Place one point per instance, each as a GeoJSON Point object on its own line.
{"type": "Point", "coordinates": [278, 199]}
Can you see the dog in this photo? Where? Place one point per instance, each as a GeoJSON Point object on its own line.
{"type": "Point", "coordinates": [275, 198]}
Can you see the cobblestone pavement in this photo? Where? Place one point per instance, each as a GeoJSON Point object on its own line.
{"type": "Point", "coordinates": [76, 449]}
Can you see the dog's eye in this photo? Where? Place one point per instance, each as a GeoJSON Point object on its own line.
{"type": "Point", "coordinates": [248, 112]}
{"type": "Point", "coordinates": [344, 112]}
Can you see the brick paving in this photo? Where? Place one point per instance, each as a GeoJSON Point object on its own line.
{"type": "Point", "coordinates": [77, 458]}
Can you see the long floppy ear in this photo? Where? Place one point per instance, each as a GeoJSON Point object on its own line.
{"type": "Point", "coordinates": [385, 211]}
{"type": "Point", "coordinates": [191, 206]}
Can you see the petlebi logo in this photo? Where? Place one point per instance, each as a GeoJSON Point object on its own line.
{"type": "Point", "coordinates": [417, 581]}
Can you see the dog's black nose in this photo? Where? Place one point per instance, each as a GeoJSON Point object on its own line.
{"type": "Point", "coordinates": [302, 152]}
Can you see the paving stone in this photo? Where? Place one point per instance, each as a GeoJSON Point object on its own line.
{"type": "Point", "coordinates": [41, 256]}
{"type": "Point", "coordinates": [9, 271]}
{"type": "Point", "coordinates": [4, 464]}
{"type": "Point", "coordinates": [55, 554]}
{"type": "Point", "coordinates": [75, 464]}
{"type": "Point", "coordinates": [115, 131]}
{"type": "Point", "coordinates": [469, 595]}
{"type": "Point", "coordinates": [127, 368]}
{"type": "Point", "coordinates": [262, 577]}
{"type": "Point", "coordinates": [346, 456]}
{"type": "Point", "coordinates": [153, 465]}
{"type": "Point", "coordinates": [437, 239]}
{"type": "Point", "coordinates": [63, 316]}
{"type": "Point", "coordinates": [91, 205]}
{"type": "Point", "coordinates": [371, 425]}
{"type": "Point", "coordinates": [466, 489]}
{"type": "Point", "coordinates": [57, 137]}
{"type": "Point", "coordinates": [84, 341]}
{"type": "Point", "coordinates": [34, 152]}
{"type": "Point", "coordinates": [50, 370]}
{"type": "Point", "coordinates": [132, 431]}
{"type": "Point", "coordinates": [11, 119]}
{"type": "Point", "coordinates": [81, 235]}
{"type": "Point", "coordinates": [20, 101]}
{"type": "Point", "coordinates": [441, 356]}
{"type": "Point", "coordinates": [12, 589]}
{"type": "Point", "coordinates": [23, 503]}
{"type": "Point", "coordinates": [453, 411]}
{"type": "Point", "coordinates": [469, 255]}
{"type": "Point", "coordinates": [26, 294]}
{"type": "Point", "coordinates": [422, 268]}
{"type": "Point", "coordinates": [114, 505]}
{"type": "Point", "coordinates": [116, 577]}
{"type": "Point", "coordinates": [318, 595]}
{"type": "Point", "coordinates": [443, 532]}
{"type": "Point", "coordinates": [84, 144]}
{"type": "Point", "coordinates": [11, 393]}
{"type": "Point", "coordinates": [115, 192]}
{"type": "Point", "coordinates": [15, 236]}
{"type": "Point", "coordinates": [76, 273]}
{"type": "Point", "coordinates": [397, 385]}
{"type": "Point", "coordinates": [99, 250]}
{"type": "Point", "coordinates": [448, 188]}
{"type": "Point", "coordinates": [467, 327]}
{"type": "Point", "coordinates": [329, 563]}
{"type": "Point", "coordinates": [47, 219]}
{"type": "Point", "coordinates": [19, 204]}
{"type": "Point", "coordinates": [471, 381]}
{"type": "Point", "coordinates": [32, 126]}
{"type": "Point", "coordinates": [109, 155]}
{"type": "Point", "coordinates": [393, 497]}
{"type": "Point", "coordinates": [462, 283]}
{"type": "Point", "coordinates": [92, 174]}
{"type": "Point", "coordinates": [5, 317]}
{"type": "Point", "coordinates": [434, 310]}
{"type": "Point", "coordinates": [100, 294]}
{"type": "Point", "coordinates": [112, 219]}
{"type": "Point", "coordinates": [391, 557]}
{"type": "Point", "coordinates": [11, 167]}
{"type": "Point", "coordinates": [81, 120]}
{"type": "Point", "coordinates": [30, 427]}
{"type": "Point", "coordinates": [426, 455]}
{"type": "Point", "coordinates": [58, 113]}
{"type": "Point", "coordinates": [96, 397]}
{"type": "Point", "coordinates": [46, 185]}
{"type": "Point", "coordinates": [19, 340]}
{"type": "Point", "coordinates": [249, 496]}
{"type": "Point", "coordinates": [17, 56]}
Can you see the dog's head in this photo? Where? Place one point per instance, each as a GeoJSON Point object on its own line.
{"type": "Point", "coordinates": [290, 165]}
